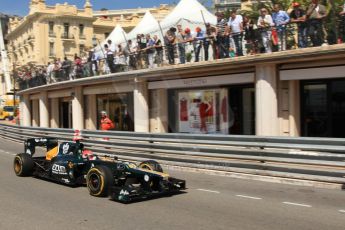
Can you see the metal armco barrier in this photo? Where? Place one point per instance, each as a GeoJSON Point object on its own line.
{"type": "Point", "coordinates": [307, 159]}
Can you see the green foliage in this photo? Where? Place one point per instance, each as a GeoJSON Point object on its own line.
{"type": "Point", "coordinates": [334, 7]}
{"type": "Point", "coordinates": [189, 57]}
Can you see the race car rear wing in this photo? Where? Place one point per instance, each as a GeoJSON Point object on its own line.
{"type": "Point", "coordinates": [30, 144]}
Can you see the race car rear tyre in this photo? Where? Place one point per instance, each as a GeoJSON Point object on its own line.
{"type": "Point", "coordinates": [99, 181]}
{"type": "Point", "coordinates": [151, 165]}
{"type": "Point", "coordinates": [23, 165]}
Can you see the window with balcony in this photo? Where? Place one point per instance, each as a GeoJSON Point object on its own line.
{"type": "Point", "coordinates": [81, 31]}
{"type": "Point", "coordinates": [51, 29]}
{"type": "Point", "coordinates": [81, 49]}
{"type": "Point", "coordinates": [65, 30]}
{"type": "Point", "coordinates": [51, 49]}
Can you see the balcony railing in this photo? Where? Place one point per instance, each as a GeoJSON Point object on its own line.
{"type": "Point", "coordinates": [67, 36]}
{"type": "Point", "coordinates": [206, 49]}
{"type": "Point", "coordinates": [52, 34]}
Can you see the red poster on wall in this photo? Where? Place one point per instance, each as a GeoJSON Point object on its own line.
{"type": "Point", "coordinates": [183, 109]}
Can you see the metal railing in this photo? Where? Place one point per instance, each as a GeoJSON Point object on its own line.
{"type": "Point", "coordinates": [306, 159]}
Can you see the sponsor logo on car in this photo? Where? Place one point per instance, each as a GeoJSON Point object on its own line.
{"type": "Point", "coordinates": [59, 169]}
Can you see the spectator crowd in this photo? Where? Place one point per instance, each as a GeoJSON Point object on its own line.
{"type": "Point", "coordinates": [238, 35]}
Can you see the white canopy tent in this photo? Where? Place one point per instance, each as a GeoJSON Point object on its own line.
{"type": "Point", "coordinates": [145, 26]}
{"type": "Point", "coordinates": [117, 36]}
{"type": "Point", "coordinates": [188, 13]}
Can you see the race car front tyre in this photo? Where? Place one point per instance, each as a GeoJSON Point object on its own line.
{"type": "Point", "coordinates": [151, 165]}
{"type": "Point", "coordinates": [23, 165]}
{"type": "Point", "coordinates": [99, 181]}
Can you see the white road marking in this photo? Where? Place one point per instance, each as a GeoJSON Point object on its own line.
{"type": "Point", "coordinates": [343, 211]}
{"type": "Point", "coordinates": [297, 204]}
{"type": "Point", "coordinates": [205, 190]}
{"type": "Point", "coordinates": [8, 153]}
{"type": "Point", "coordinates": [249, 197]}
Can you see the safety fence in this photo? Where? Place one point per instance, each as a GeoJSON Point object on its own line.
{"type": "Point", "coordinates": [207, 48]}
{"type": "Point", "coordinates": [320, 160]}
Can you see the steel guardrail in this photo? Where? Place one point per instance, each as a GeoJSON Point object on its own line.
{"type": "Point", "coordinates": [316, 159]}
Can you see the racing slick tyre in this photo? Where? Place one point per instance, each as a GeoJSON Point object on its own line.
{"type": "Point", "coordinates": [99, 181]}
{"type": "Point", "coordinates": [23, 165]}
{"type": "Point", "coordinates": [151, 165]}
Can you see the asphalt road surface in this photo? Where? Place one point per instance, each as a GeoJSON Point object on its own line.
{"type": "Point", "coordinates": [211, 202]}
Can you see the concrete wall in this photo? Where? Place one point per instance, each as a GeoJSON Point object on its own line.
{"type": "Point", "coordinates": [277, 99]}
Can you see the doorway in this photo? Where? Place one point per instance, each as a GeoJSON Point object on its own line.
{"type": "Point", "coordinates": [323, 108]}
{"type": "Point", "coordinates": [65, 114]}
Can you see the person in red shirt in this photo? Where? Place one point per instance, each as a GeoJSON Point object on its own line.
{"type": "Point", "coordinates": [106, 123]}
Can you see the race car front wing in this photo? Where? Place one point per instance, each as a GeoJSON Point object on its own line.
{"type": "Point", "coordinates": [130, 193]}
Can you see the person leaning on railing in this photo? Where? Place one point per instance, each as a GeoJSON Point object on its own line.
{"type": "Point", "coordinates": [150, 50]}
{"type": "Point", "coordinates": [170, 41]}
{"type": "Point", "coordinates": [236, 25]}
{"type": "Point", "coordinates": [222, 36]}
{"type": "Point", "coordinates": [298, 16]}
{"type": "Point", "coordinates": [67, 68]}
{"type": "Point", "coordinates": [315, 15]}
{"type": "Point", "coordinates": [109, 58]}
{"type": "Point", "coordinates": [159, 50]}
{"type": "Point", "coordinates": [211, 38]}
{"type": "Point", "coordinates": [265, 22]}
{"type": "Point", "coordinates": [251, 35]}
{"type": "Point", "coordinates": [181, 46]}
{"type": "Point", "coordinates": [280, 20]}
{"type": "Point", "coordinates": [132, 55]}
{"type": "Point", "coordinates": [342, 25]}
{"type": "Point", "coordinates": [200, 40]}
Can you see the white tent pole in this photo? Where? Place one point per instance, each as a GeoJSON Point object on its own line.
{"type": "Point", "coordinates": [160, 28]}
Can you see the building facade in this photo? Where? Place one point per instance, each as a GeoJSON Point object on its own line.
{"type": "Point", "coordinates": [49, 32]}
{"type": "Point", "coordinates": [63, 30]}
{"type": "Point", "coordinates": [126, 18]}
{"type": "Point", "coordinates": [291, 93]}
{"type": "Point", "coordinates": [223, 5]}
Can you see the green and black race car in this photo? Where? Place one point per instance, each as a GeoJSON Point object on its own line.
{"type": "Point", "coordinates": [70, 164]}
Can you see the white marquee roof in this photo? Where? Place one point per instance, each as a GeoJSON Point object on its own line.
{"type": "Point", "coordinates": [189, 10]}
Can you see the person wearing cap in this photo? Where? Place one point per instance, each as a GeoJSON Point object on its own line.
{"type": "Point", "coordinates": [189, 38]}
{"type": "Point", "coordinates": [315, 15]}
{"type": "Point", "coordinates": [298, 16]}
{"type": "Point", "coordinates": [200, 41]}
{"type": "Point", "coordinates": [280, 20]}
{"type": "Point", "coordinates": [106, 123]}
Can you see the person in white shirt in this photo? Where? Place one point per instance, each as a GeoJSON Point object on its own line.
{"type": "Point", "coordinates": [110, 58]}
{"type": "Point", "coordinates": [236, 25]}
{"type": "Point", "coordinates": [50, 69]}
{"type": "Point", "coordinates": [265, 23]}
